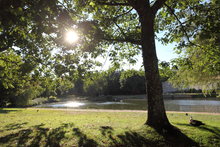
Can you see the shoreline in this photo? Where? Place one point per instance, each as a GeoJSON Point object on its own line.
{"type": "Point", "coordinates": [109, 110]}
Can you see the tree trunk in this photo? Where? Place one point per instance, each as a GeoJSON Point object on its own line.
{"type": "Point", "coordinates": [156, 111]}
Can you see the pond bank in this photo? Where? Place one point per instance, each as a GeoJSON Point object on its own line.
{"type": "Point", "coordinates": [142, 96]}
{"type": "Point", "coordinates": [184, 105]}
{"type": "Point", "coordinates": [108, 110]}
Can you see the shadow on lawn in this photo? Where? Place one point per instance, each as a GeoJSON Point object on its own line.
{"type": "Point", "coordinates": [215, 131]}
{"type": "Point", "coordinates": [15, 126]}
{"type": "Point", "coordinates": [83, 139]}
{"type": "Point", "coordinates": [128, 138]}
{"type": "Point", "coordinates": [211, 129]}
{"type": "Point", "coordinates": [172, 137]}
{"type": "Point", "coordinates": [39, 135]}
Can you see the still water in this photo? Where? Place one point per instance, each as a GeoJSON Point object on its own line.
{"type": "Point", "coordinates": [141, 104]}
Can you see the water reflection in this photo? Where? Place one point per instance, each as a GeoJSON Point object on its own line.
{"type": "Point", "coordinates": [68, 104]}
{"type": "Point", "coordinates": [193, 102]}
{"type": "Point", "coordinates": [111, 103]}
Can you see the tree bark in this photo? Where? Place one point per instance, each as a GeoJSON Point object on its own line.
{"type": "Point", "coordinates": [156, 111]}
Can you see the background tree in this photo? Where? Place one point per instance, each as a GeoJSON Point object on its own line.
{"type": "Point", "coordinates": [31, 32]}
{"type": "Point", "coordinates": [16, 83]}
{"type": "Point", "coordinates": [199, 65]}
{"type": "Point", "coordinates": [132, 82]}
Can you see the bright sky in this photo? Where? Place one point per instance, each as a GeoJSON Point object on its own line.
{"type": "Point", "coordinates": [164, 53]}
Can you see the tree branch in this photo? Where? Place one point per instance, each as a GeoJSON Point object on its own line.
{"type": "Point", "coordinates": [113, 3]}
{"type": "Point", "coordinates": [181, 24]}
{"type": "Point", "coordinates": [157, 5]}
{"type": "Point", "coordinates": [183, 29]}
{"type": "Point", "coordinates": [117, 16]}
{"type": "Point", "coordinates": [64, 7]}
{"type": "Point", "coordinates": [122, 14]}
{"type": "Point", "coordinates": [119, 28]}
{"type": "Point", "coordinates": [129, 40]}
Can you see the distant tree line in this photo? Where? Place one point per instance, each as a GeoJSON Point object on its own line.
{"type": "Point", "coordinates": [22, 81]}
{"type": "Point", "coordinates": [128, 82]}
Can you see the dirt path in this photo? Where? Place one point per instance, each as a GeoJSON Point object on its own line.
{"type": "Point", "coordinates": [108, 110]}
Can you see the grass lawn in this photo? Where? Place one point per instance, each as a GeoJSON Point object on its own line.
{"type": "Point", "coordinates": [29, 127]}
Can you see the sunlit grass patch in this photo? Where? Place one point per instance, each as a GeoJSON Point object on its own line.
{"type": "Point", "coordinates": [33, 127]}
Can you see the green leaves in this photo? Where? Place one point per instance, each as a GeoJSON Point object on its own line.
{"type": "Point", "coordinates": [92, 3]}
{"type": "Point", "coordinates": [194, 26]}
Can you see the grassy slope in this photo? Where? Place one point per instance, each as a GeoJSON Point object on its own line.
{"type": "Point", "coordinates": [27, 127]}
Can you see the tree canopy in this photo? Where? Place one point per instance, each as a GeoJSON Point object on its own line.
{"type": "Point", "coordinates": [30, 32]}
{"type": "Point", "coordinates": [199, 66]}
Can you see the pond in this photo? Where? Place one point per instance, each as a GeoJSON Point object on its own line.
{"type": "Point", "coordinates": [185, 105]}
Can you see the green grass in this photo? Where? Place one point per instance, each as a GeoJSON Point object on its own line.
{"type": "Point", "coordinates": [27, 127]}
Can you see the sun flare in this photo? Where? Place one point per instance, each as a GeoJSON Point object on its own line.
{"type": "Point", "coordinates": [71, 36]}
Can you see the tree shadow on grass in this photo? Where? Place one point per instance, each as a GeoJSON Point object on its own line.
{"type": "Point", "coordinates": [171, 137]}
{"type": "Point", "coordinates": [174, 137]}
{"type": "Point", "coordinates": [39, 135]}
{"type": "Point", "coordinates": [20, 137]}
{"type": "Point", "coordinates": [211, 129]}
{"type": "Point", "coordinates": [14, 126]}
{"type": "Point", "coordinates": [215, 131]}
{"type": "Point", "coordinates": [128, 138]}
{"type": "Point", "coordinates": [83, 139]}
{"type": "Point", "coordinates": [34, 136]}
{"type": "Point", "coordinates": [134, 139]}
{"type": "Point", "coordinates": [48, 136]}
{"type": "Point", "coordinates": [106, 130]}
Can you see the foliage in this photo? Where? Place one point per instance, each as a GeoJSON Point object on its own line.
{"type": "Point", "coordinates": [200, 65]}
{"type": "Point", "coordinates": [25, 29]}
{"type": "Point", "coordinates": [132, 82]}
{"type": "Point", "coordinates": [113, 82]}
{"type": "Point", "coordinates": [167, 70]}
{"type": "Point", "coordinates": [25, 24]}
{"type": "Point", "coordinates": [14, 79]}
{"type": "Point", "coordinates": [21, 81]}
{"type": "Point", "coordinates": [63, 86]}
{"type": "Point", "coordinates": [102, 83]}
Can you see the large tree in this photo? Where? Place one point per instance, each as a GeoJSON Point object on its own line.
{"type": "Point", "coordinates": [129, 25]}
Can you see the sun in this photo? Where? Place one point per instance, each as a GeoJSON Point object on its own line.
{"type": "Point", "coordinates": [71, 36]}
